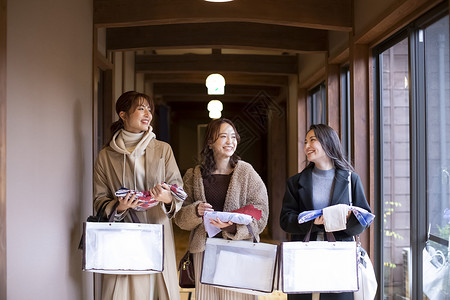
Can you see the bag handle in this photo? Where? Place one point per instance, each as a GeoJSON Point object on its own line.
{"type": "Point", "coordinates": [330, 235]}
{"type": "Point", "coordinates": [131, 212]}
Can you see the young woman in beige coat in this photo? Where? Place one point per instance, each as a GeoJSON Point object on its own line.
{"type": "Point", "coordinates": [136, 160]}
{"type": "Point", "coordinates": [222, 182]}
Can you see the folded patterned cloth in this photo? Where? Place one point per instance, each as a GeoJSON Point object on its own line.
{"type": "Point", "coordinates": [249, 210]}
{"type": "Point", "coordinates": [242, 215]}
{"type": "Point", "coordinates": [364, 217]}
{"type": "Point", "coordinates": [309, 215]}
{"type": "Point", "coordinates": [335, 217]}
{"type": "Point", "coordinates": [146, 200]}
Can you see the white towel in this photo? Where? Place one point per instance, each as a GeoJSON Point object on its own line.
{"type": "Point", "coordinates": [224, 217]}
{"type": "Point", "coordinates": [335, 217]}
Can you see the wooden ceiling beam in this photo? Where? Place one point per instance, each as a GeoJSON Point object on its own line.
{"type": "Point", "coordinates": [218, 35]}
{"type": "Point", "coordinates": [200, 89]}
{"type": "Point", "coordinates": [205, 98]}
{"type": "Point", "coordinates": [250, 64]}
{"type": "Point", "coordinates": [230, 78]}
{"type": "Point", "coordinates": [323, 14]}
{"type": "Point", "coordinates": [201, 108]}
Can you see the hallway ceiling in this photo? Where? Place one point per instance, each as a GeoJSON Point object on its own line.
{"type": "Point", "coordinates": [253, 43]}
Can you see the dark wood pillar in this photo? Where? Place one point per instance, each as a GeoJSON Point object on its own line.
{"type": "Point", "coordinates": [333, 92]}
{"type": "Point", "coordinates": [277, 154]}
{"type": "Point", "coordinates": [360, 119]}
{"type": "Point", "coordinates": [302, 125]}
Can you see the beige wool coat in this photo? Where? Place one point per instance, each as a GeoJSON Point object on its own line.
{"type": "Point", "coordinates": [246, 187]}
{"type": "Point", "coordinates": [160, 166]}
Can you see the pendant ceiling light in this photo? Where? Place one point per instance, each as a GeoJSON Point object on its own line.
{"type": "Point", "coordinates": [215, 108]}
{"type": "Point", "coordinates": [215, 84]}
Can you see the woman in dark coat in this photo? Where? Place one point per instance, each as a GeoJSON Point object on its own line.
{"type": "Point", "coordinates": [323, 183]}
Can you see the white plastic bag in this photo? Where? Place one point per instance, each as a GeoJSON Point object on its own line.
{"type": "Point", "coordinates": [366, 277]}
{"type": "Point", "coordinates": [436, 274]}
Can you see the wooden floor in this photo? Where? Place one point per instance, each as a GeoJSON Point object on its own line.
{"type": "Point", "coordinates": [181, 244]}
{"type": "Point", "coordinates": [189, 294]}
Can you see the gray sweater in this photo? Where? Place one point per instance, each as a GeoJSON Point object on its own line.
{"type": "Point", "coordinates": [322, 183]}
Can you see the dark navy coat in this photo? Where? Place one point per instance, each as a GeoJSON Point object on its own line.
{"type": "Point", "coordinates": [298, 198]}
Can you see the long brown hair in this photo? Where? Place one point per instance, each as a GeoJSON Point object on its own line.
{"type": "Point", "coordinates": [207, 162]}
{"type": "Point", "coordinates": [128, 102]}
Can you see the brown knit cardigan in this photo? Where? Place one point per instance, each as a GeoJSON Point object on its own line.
{"type": "Point", "coordinates": [246, 187]}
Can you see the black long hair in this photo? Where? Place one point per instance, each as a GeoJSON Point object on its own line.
{"type": "Point", "coordinates": [329, 140]}
{"type": "Point", "coordinates": [207, 162]}
{"type": "Point", "coordinates": [128, 102]}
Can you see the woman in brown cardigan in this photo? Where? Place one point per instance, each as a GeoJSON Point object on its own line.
{"type": "Point", "coordinates": [221, 182]}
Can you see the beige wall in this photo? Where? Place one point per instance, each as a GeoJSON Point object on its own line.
{"type": "Point", "coordinates": [49, 146]}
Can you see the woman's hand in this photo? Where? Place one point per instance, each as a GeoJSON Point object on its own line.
{"type": "Point", "coordinates": [129, 201]}
{"type": "Point", "coordinates": [203, 207]}
{"type": "Point", "coordinates": [220, 224]}
{"type": "Point", "coordinates": [161, 193]}
{"type": "Point", "coordinates": [318, 220]}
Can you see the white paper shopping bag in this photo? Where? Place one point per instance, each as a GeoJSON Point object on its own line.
{"type": "Point", "coordinates": [309, 267]}
{"type": "Point", "coordinates": [239, 265]}
{"type": "Point", "coordinates": [123, 248]}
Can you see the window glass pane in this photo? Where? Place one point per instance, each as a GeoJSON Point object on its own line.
{"type": "Point", "coordinates": [396, 171]}
{"type": "Point", "coordinates": [317, 103]}
{"type": "Point", "coordinates": [436, 55]}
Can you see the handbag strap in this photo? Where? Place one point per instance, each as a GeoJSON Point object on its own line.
{"type": "Point", "coordinates": [350, 188]}
{"type": "Point", "coordinates": [101, 211]}
{"type": "Point", "coordinates": [356, 237]}
{"type": "Point", "coordinates": [252, 233]}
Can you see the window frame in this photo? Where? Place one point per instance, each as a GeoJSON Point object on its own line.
{"type": "Point", "coordinates": [418, 151]}
{"type": "Point", "coordinates": [346, 117]}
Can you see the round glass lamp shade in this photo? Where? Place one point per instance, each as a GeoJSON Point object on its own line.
{"type": "Point", "coordinates": [215, 108]}
{"type": "Point", "coordinates": [215, 84]}
{"type": "Point", "coordinates": [215, 114]}
{"type": "Point", "coordinates": [215, 105]}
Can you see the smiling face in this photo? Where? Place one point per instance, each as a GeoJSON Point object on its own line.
{"type": "Point", "coordinates": [226, 143]}
{"type": "Point", "coordinates": [139, 117]}
{"type": "Point", "coordinates": [313, 149]}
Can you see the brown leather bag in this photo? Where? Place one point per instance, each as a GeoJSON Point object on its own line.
{"type": "Point", "coordinates": [186, 268]}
